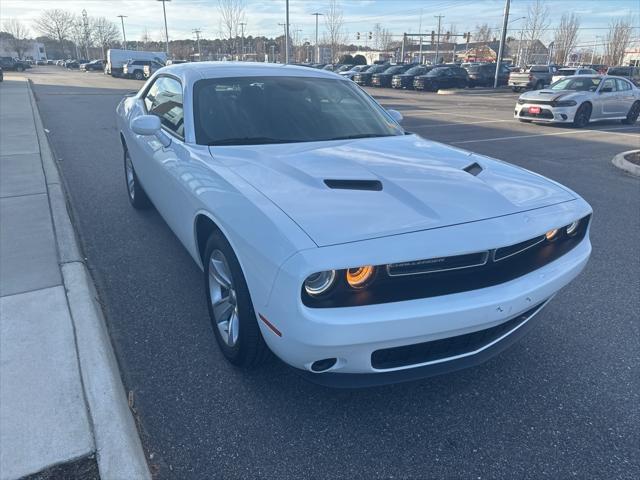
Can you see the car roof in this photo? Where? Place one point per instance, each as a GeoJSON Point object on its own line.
{"type": "Point", "coordinates": [191, 72]}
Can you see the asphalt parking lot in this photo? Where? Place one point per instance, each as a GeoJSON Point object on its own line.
{"type": "Point", "coordinates": [564, 402]}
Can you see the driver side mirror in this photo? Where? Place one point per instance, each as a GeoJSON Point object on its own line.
{"type": "Point", "coordinates": [150, 125]}
{"type": "Point", "coordinates": [396, 115]}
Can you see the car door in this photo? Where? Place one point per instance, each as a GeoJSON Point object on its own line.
{"type": "Point", "coordinates": [158, 165]}
{"type": "Point", "coordinates": [606, 100]}
{"type": "Point", "coordinates": [625, 95]}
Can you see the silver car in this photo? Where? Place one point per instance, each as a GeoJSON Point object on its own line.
{"type": "Point", "coordinates": [580, 99]}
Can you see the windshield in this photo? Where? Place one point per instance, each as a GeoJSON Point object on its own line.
{"type": "Point", "coordinates": [343, 68]}
{"type": "Point", "coordinates": [436, 72]}
{"type": "Point", "coordinates": [566, 71]}
{"type": "Point", "coordinates": [539, 69]}
{"type": "Point", "coordinates": [262, 110]}
{"type": "Point", "coordinates": [415, 70]}
{"type": "Point", "coordinates": [396, 69]}
{"type": "Point", "coordinates": [588, 84]}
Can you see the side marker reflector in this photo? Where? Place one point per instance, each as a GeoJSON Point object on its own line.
{"type": "Point", "coordinates": [270, 325]}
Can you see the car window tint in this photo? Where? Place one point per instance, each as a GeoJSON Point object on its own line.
{"type": "Point", "coordinates": [623, 84]}
{"type": "Point", "coordinates": [164, 99]}
{"type": "Point", "coordinates": [253, 110]}
{"type": "Point", "coordinates": [609, 83]}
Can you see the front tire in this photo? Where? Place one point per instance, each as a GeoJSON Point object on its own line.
{"type": "Point", "coordinates": [138, 75]}
{"type": "Point", "coordinates": [230, 308]}
{"type": "Point", "coordinates": [582, 116]}
{"type": "Point", "coordinates": [633, 114]}
{"type": "Point", "coordinates": [137, 196]}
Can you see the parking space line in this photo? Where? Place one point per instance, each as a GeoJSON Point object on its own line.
{"type": "Point", "coordinates": [573, 132]}
{"type": "Point", "coordinates": [430, 112]}
{"type": "Point", "coordinates": [465, 123]}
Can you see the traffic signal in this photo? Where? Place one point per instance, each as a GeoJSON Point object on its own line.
{"type": "Point", "coordinates": [433, 37]}
{"type": "Point", "coordinates": [370, 35]}
{"type": "Point", "coordinates": [358, 36]}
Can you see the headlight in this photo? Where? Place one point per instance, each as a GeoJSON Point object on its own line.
{"type": "Point", "coordinates": [572, 228]}
{"type": "Point", "coordinates": [318, 283]}
{"type": "Point", "coordinates": [551, 235]}
{"type": "Point", "coordinates": [360, 277]}
{"type": "Point", "coordinates": [566, 103]}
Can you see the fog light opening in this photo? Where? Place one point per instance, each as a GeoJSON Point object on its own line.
{"type": "Point", "coordinates": [323, 365]}
{"type": "Point", "coordinates": [551, 235]}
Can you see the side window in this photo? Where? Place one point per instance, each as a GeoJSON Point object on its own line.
{"type": "Point", "coordinates": [623, 85]}
{"type": "Point", "coordinates": [609, 84]}
{"type": "Point", "coordinates": [164, 99]}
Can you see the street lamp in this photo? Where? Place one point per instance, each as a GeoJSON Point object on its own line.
{"type": "Point", "coordinates": [166, 31]}
{"type": "Point", "coordinates": [124, 35]}
{"type": "Point", "coordinates": [286, 38]}
{"type": "Point", "coordinates": [317, 46]}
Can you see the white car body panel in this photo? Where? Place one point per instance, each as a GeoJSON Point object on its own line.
{"type": "Point", "coordinates": [284, 224]}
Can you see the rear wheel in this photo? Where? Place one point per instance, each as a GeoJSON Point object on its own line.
{"type": "Point", "coordinates": [582, 116]}
{"type": "Point", "coordinates": [137, 196]}
{"type": "Point", "coordinates": [138, 75]}
{"type": "Point", "coordinates": [230, 308]}
{"type": "Point", "coordinates": [633, 114]}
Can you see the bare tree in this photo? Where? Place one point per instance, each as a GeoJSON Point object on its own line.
{"type": "Point", "coordinates": [232, 15]}
{"type": "Point", "coordinates": [483, 33]}
{"type": "Point", "coordinates": [145, 38]}
{"type": "Point", "coordinates": [19, 33]}
{"type": "Point", "coordinates": [105, 33]}
{"type": "Point", "coordinates": [381, 37]}
{"type": "Point", "coordinates": [565, 37]}
{"type": "Point", "coordinates": [536, 25]}
{"type": "Point", "coordinates": [618, 40]}
{"type": "Point", "coordinates": [55, 24]}
{"type": "Point", "coordinates": [334, 23]}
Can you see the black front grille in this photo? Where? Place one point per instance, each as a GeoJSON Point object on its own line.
{"type": "Point", "coordinates": [544, 113]}
{"type": "Point", "coordinates": [444, 348]}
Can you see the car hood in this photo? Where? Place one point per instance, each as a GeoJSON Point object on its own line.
{"type": "Point", "coordinates": [549, 95]}
{"type": "Point", "coordinates": [424, 185]}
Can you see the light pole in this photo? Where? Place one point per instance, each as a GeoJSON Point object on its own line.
{"type": "Point", "coordinates": [124, 35]}
{"type": "Point", "coordinates": [242, 24]}
{"type": "Point", "coordinates": [166, 30]}
{"type": "Point", "coordinates": [317, 46]}
{"type": "Point", "coordinates": [439, 17]}
{"type": "Point", "coordinates": [503, 38]}
{"type": "Point", "coordinates": [197, 31]}
{"type": "Point", "coordinates": [286, 36]}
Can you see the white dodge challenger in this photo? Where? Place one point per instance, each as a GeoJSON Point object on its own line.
{"type": "Point", "coordinates": [357, 252]}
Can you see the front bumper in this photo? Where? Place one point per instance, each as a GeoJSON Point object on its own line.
{"type": "Point", "coordinates": [548, 114]}
{"type": "Point", "coordinates": [351, 335]}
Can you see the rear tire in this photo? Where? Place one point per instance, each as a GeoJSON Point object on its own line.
{"type": "Point", "coordinates": [137, 196]}
{"type": "Point", "coordinates": [582, 116]}
{"type": "Point", "coordinates": [633, 114]}
{"type": "Point", "coordinates": [138, 75]}
{"type": "Point", "coordinates": [240, 339]}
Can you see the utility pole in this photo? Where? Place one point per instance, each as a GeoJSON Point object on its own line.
{"type": "Point", "coordinates": [420, 33]}
{"type": "Point", "coordinates": [166, 30]}
{"type": "Point", "coordinates": [286, 34]}
{"type": "Point", "coordinates": [242, 24]}
{"type": "Point", "coordinates": [197, 31]}
{"type": "Point", "coordinates": [85, 25]}
{"type": "Point", "coordinates": [593, 52]}
{"type": "Point", "coordinates": [503, 39]}
{"type": "Point", "coordinates": [439, 17]}
{"type": "Point", "coordinates": [286, 43]}
{"type": "Point", "coordinates": [317, 45]}
{"type": "Point", "coordinates": [124, 35]}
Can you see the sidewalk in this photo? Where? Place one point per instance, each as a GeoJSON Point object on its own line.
{"type": "Point", "coordinates": [63, 409]}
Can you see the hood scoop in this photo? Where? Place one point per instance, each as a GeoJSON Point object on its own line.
{"type": "Point", "coordinates": [372, 185]}
{"type": "Point", "coordinates": [474, 169]}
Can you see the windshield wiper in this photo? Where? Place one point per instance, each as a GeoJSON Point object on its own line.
{"type": "Point", "coordinates": [361, 135]}
{"type": "Point", "coordinates": [250, 141]}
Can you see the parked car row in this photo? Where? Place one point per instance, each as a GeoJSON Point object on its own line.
{"type": "Point", "coordinates": [536, 77]}
{"type": "Point", "coordinates": [13, 64]}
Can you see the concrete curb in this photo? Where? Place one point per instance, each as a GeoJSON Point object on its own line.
{"type": "Point", "coordinates": [624, 164]}
{"type": "Point", "coordinates": [118, 447]}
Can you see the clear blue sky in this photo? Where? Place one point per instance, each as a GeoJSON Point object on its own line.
{"type": "Point", "coordinates": [263, 16]}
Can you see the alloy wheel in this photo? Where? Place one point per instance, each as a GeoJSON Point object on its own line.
{"type": "Point", "coordinates": [223, 298]}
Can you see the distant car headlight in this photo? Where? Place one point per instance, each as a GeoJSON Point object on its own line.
{"type": "Point", "coordinates": [318, 283]}
{"type": "Point", "coordinates": [565, 103]}
{"type": "Point", "coordinates": [360, 277]}
{"type": "Point", "coordinates": [572, 228]}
